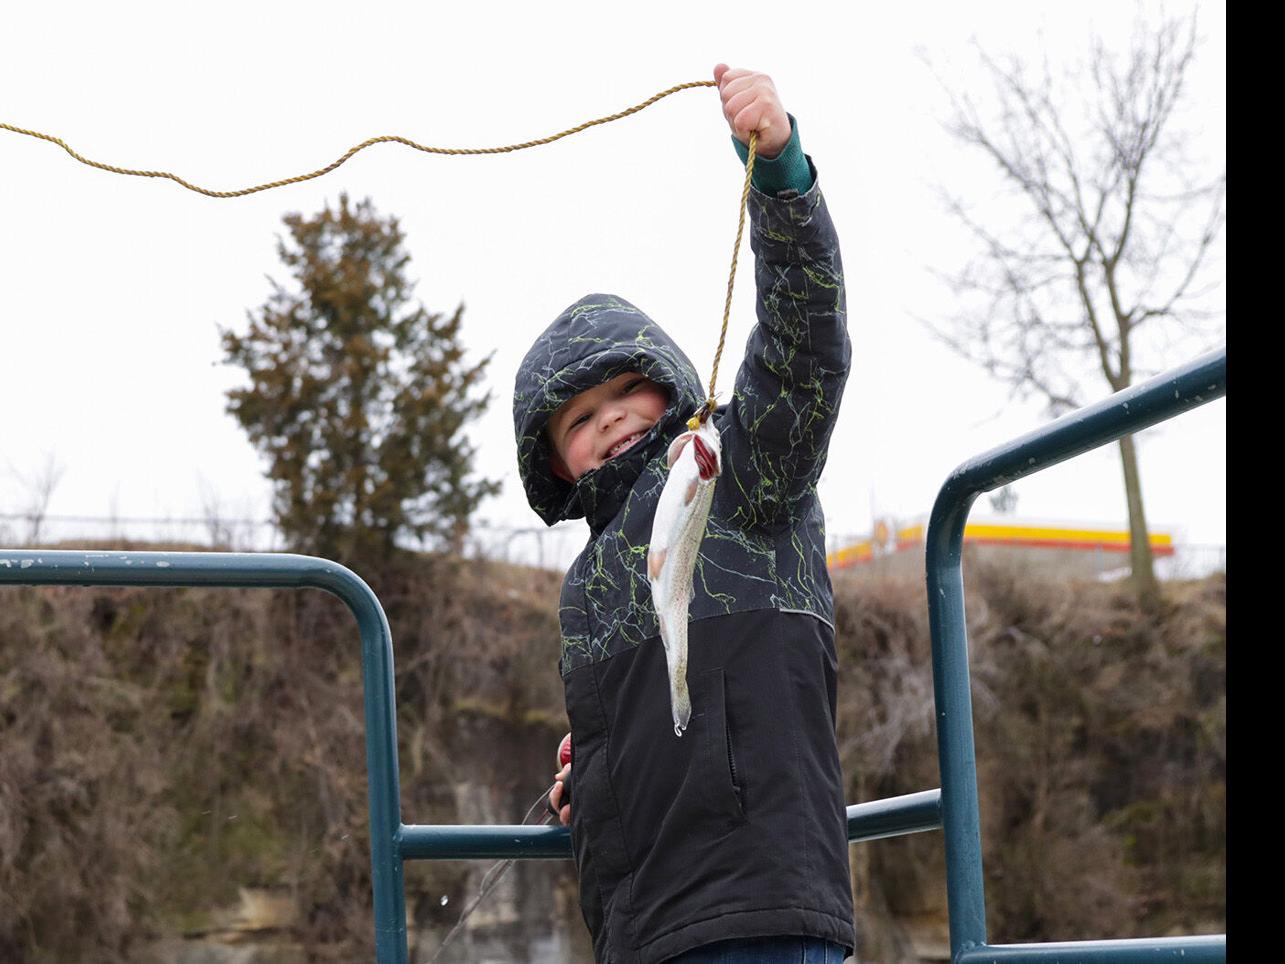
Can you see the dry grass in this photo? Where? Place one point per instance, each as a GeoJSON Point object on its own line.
{"type": "Point", "coordinates": [160, 748]}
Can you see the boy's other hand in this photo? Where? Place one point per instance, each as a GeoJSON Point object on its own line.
{"type": "Point", "coordinates": [555, 796]}
{"type": "Point", "coordinates": [750, 103]}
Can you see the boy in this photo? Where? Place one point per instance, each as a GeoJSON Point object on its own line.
{"type": "Point", "coordinates": [728, 843]}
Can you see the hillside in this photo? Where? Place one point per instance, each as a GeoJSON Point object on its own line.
{"type": "Point", "coordinates": [184, 768]}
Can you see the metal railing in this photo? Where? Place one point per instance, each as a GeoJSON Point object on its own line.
{"type": "Point", "coordinates": [276, 571]}
{"type": "Point", "coordinates": [391, 841]}
{"type": "Point", "coordinates": [1171, 393]}
{"type": "Point", "coordinates": [954, 807]}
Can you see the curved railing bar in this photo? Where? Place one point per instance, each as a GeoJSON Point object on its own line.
{"type": "Point", "coordinates": [281, 571]}
{"type": "Point", "coordinates": [1199, 381]}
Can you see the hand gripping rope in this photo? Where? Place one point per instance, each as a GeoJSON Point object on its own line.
{"type": "Point", "coordinates": [705, 411]}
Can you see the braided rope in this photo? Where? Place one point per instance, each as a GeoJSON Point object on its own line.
{"type": "Point", "coordinates": [731, 277]}
{"type": "Point", "coordinates": [386, 138]}
{"type": "Point", "coordinates": [706, 410]}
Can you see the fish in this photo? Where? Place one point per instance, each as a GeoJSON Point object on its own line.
{"type": "Point", "coordinates": [695, 463]}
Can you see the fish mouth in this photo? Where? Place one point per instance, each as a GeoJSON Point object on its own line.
{"type": "Point", "coordinates": [624, 444]}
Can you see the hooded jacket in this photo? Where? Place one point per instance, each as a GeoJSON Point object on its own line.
{"type": "Point", "coordinates": [736, 828]}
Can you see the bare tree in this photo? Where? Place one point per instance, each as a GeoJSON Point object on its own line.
{"type": "Point", "coordinates": [218, 528]}
{"type": "Point", "coordinates": [1102, 265]}
{"type": "Point", "coordinates": [40, 486]}
{"type": "Point", "coordinates": [114, 533]}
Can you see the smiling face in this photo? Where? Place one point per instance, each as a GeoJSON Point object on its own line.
{"type": "Point", "coordinates": [603, 422]}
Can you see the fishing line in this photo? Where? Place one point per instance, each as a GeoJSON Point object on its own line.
{"type": "Point", "coordinates": [706, 410]}
{"type": "Point", "coordinates": [491, 878]}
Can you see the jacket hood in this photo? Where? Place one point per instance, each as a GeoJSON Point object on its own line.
{"type": "Point", "coordinates": [592, 341]}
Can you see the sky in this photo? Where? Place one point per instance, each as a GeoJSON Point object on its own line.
{"type": "Point", "coordinates": [113, 290]}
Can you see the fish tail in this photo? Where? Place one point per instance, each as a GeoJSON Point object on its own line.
{"type": "Point", "coordinates": [673, 634]}
{"type": "Point", "coordinates": [681, 705]}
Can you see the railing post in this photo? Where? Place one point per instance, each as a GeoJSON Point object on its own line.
{"type": "Point", "coordinates": [952, 696]}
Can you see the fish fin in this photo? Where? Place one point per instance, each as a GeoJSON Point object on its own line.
{"type": "Point", "coordinates": [655, 563]}
{"type": "Point", "coordinates": [676, 448]}
{"type": "Point", "coordinates": [681, 705]}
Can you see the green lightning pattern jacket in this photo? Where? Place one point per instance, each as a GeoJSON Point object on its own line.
{"type": "Point", "coordinates": [736, 828]}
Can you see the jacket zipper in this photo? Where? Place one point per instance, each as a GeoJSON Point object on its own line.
{"type": "Point", "coordinates": [731, 760]}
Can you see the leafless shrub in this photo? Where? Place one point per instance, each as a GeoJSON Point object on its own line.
{"type": "Point", "coordinates": [39, 486]}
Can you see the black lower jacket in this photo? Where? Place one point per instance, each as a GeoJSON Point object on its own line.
{"type": "Point", "coordinates": [736, 828]}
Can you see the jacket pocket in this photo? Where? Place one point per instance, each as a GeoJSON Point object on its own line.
{"type": "Point", "coordinates": [724, 780]}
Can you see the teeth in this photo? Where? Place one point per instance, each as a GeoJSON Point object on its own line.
{"type": "Point", "coordinates": [623, 445]}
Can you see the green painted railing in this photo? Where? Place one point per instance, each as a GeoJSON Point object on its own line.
{"type": "Point", "coordinates": [1131, 410]}
{"type": "Point", "coordinates": [391, 841]}
{"type": "Point", "coordinates": [954, 807]}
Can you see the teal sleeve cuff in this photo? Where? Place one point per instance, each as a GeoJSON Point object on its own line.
{"type": "Point", "coordinates": [788, 171]}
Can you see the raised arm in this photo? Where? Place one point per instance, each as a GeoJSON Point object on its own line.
{"type": "Point", "coordinates": [776, 428]}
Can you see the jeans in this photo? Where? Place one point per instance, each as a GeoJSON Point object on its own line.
{"type": "Point", "coordinates": [764, 950]}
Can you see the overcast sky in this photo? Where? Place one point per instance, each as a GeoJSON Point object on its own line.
{"type": "Point", "coordinates": [114, 288]}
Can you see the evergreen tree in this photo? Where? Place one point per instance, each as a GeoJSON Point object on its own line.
{"type": "Point", "coordinates": [357, 397]}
